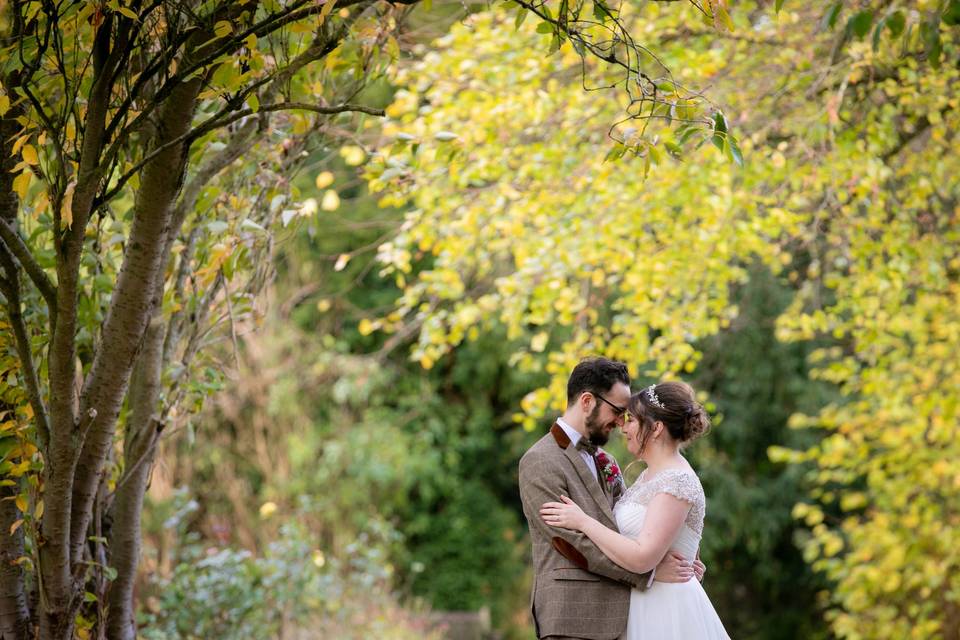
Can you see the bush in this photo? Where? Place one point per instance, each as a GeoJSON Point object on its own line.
{"type": "Point", "coordinates": [293, 591]}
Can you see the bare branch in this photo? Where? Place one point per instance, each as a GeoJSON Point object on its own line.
{"type": "Point", "coordinates": [19, 249]}
{"type": "Point", "coordinates": [217, 122]}
{"type": "Point", "coordinates": [10, 287]}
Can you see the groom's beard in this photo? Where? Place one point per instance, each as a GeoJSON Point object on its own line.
{"type": "Point", "coordinates": [598, 433]}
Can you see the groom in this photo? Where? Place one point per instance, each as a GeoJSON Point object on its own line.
{"type": "Point", "coordinates": [577, 591]}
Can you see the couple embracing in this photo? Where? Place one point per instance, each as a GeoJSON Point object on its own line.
{"type": "Point", "coordinates": [611, 561]}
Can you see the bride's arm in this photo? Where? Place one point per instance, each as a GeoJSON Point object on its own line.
{"type": "Point", "coordinates": [664, 517]}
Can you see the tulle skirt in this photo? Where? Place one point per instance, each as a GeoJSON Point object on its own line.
{"type": "Point", "coordinates": [673, 611]}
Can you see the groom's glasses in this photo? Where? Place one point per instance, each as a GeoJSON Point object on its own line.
{"type": "Point", "coordinates": [619, 412]}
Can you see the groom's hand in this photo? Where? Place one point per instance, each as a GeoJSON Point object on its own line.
{"type": "Point", "coordinates": [674, 568]}
{"type": "Point", "coordinates": [699, 569]}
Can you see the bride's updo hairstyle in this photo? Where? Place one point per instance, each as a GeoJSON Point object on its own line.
{"type": "Point", "coordinates": [675, 405]}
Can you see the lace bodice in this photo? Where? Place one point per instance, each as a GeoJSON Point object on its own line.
{"type": "Point", "coordinates": [681, 483]}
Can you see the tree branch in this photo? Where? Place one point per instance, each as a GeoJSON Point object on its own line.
{"type": "Point", "coordinates": [217, 122]}
{"type": "Point", "coordinates": [11, 290]}
{"type": "Point", "coordinates": [19, 249]}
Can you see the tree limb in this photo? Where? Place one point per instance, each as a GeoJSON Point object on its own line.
{"type": "Point", "coordinates": [217, 122]}
{"type": "Point", "coordinates": [19, 249]}
{"type": "Point", "coordinates": [11, 290]}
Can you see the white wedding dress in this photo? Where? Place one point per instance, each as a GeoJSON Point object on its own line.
{"type": "Point", "coordinates": [669, 611]}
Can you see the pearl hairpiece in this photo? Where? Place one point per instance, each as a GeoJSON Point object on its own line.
{"type": "Point", "coordinates": [652, 396]}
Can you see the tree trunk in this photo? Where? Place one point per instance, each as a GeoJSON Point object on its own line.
{"type": "Point", "coordinates": [14, 613]}
{"type": "Point", "coordinates": [14, 616]}
{"type": "Point", "coordinates": [139, 452]}
{"type": "Point", "coordinates": [132, 304]}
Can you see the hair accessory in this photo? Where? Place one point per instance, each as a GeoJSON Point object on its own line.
{"type": "Point", "coordinates": [652, 396]}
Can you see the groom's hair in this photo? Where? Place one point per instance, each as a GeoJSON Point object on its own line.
{"type": "Point", "coordinates": [596, 375]}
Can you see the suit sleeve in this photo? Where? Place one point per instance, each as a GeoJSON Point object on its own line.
{"type": "Point", "coordinates": [541, 481]}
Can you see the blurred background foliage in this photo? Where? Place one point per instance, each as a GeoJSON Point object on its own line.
{"type": "Point", "coordinates": [334, 480]}
{"type": "Point", "coordinates": [340, 434]}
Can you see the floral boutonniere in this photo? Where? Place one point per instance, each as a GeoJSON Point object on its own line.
{"type": "Point", "coordinates": [610, 471]}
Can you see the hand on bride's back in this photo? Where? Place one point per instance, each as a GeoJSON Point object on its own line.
{"type": "Point", "coordinates": [674, 568]}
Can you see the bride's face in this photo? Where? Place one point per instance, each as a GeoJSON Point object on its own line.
{"type": "Point", "coordinates": [632, 433]}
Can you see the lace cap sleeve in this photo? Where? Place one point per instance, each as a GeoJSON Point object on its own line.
{"type": "Point", "coordinates": [680, 484]}
{"type": "Point", "coordinates": [686, 486]}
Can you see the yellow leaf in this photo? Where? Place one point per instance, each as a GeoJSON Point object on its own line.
{"type": "Point", "coordinates": [4, 105]}
{"type": "Point", "coordinates": [21, 502]}
{"type": "Point", "coordinates": [40, 204]}
{"type": "Point", "coordinates": [327, 8]}
{"type": "Point", "coordinates": [223, 28]}
{"type": "Point", "coordinates": [19, 143]}
{"type": "Point", "coordinates": [353, 155]}
{"type": "Point", "coordinates": [15, 526]}
{"type": "Point", "coordinates": [21, 184]}
{"type": "Point", "coordinates": [366, 327]}
{"type": "Point", "coordinates": [324, 179]}
{"type": "Point", "coordinates": [539, 342]}
{"type": "Point", "coordinates": [19, 469]}
{"type": "Point", "coordinates": [331, 201]}
{"type": "Point", "coordinates": [127, 12]}
{"type": "Point", "coordinates": [38, 512]}
{"type": "Point", "coordinates": [66, 209]}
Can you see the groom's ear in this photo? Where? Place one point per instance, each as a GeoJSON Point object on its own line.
{"type": "Point", "coordinates": [585, 399]}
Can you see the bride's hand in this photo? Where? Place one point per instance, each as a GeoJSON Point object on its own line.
{"type": "Point", "coordinates": [564, 514]}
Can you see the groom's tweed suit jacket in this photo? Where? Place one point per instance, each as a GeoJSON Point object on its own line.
{"type": "Point", "coordinates": [577, 591]}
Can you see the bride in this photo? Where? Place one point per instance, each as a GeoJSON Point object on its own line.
{"type": "Point", "coordinates": [662, 511]}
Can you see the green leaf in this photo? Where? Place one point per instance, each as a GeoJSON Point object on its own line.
{"type": "Point", "coordinates": [544, 27]}
{"type": "Point", "coordinates": [719, 122]}
{"type": "Point", "coordinates": [951, 15]}
{"type": "Point", "coordinates": [733, 151]}
{"type": "Point", "coordinates": [895, 23]}
{"type": "Point", "coordinates": [778, 5]}
{"type": "Point", "coordinates": [829, 20]}
{"type": "Point", "coordinates": [615, 153]}
{"type": "Point", "coordinates": [521, 16]}
{"type": "Point", "coordinates": [673, 149]}
{"type": "Point", "coordinates": [930, 33]}
{"type": "Point", "coordinates": [860, 23]}
{"type": "Point", "coordinates": [876, 34]}
{"type": "Point", "coordinates": [718, 141]}
{"type": "Point", "coordinates": [600, 11]}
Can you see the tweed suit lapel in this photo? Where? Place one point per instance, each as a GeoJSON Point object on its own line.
{"type": "Point", "coordinates": [583, 471]}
